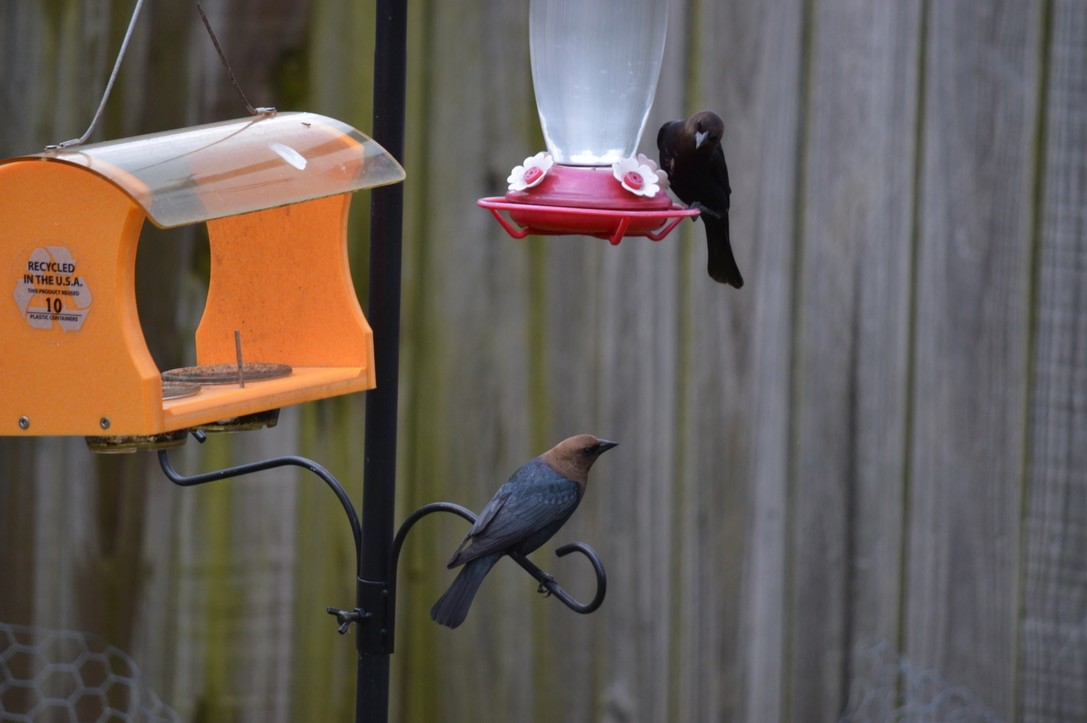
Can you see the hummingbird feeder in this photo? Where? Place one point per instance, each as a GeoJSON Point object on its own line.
{"type": "Point", "coordinates": [274, 190]}
{"type": "Point", "coordinates": [595, 65]}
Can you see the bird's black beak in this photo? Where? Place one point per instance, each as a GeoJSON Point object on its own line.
{"type": "Point", "coordinates": [603, 445]}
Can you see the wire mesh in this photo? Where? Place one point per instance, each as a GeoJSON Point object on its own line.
{"type": "Point", "coordinates": [64, 675]}
{"type": "Point", "coordinates": [886, 687]}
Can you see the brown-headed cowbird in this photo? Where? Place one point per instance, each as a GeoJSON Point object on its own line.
{"type": "Point", "coordinates": [525, 512]}
{"type": "Point", "coordinates": [691, 155]}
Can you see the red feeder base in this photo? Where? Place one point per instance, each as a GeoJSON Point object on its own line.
{"type": "Point", "coordinates": [585, 200]}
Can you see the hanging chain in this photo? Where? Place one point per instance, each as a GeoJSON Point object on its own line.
{"type": "Point", "coordinates": [117, 69]}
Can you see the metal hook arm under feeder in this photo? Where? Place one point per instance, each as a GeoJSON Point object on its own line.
{"type": "Point", "coordinates": [244, 469]}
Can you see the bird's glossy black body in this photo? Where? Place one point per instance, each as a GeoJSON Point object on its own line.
{"type": "Point", "coordinates": [691, 154]}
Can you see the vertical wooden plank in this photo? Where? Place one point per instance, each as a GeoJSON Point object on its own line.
{"type": "Point", "coordinates": [467, 415]}
{"type": "Point", "coordinates": [852, 356]}
{"type": "Point", "coordinates": [617, 308]}
{"type": "Point", "coordinates": [970, 344]}
{"type": "Point", "coordinates": [421, 478]}
{"type": "Point", "coordinates": [1053, 683]}
{"type": "Point", "coordinates": [757, 80]}
{"type": "Point", "coordinates": [328, 68]}
{"type": "Point", "coordinates": [265, 574]}
{"type": "Point", "coordinates": [54, 68]}
{"type": "Point", "coordinates": [158, 644]}
{"type": "Point", "coordinates": [17, 514]}
{"type": "Point", "coordinates": [730, 404]}
{"type": "Point", "coordinates": [61, 541]}
{"type": "Point", "coordinates": [631, 295]}
{"type": "Point", "coordinates": [20, 67]}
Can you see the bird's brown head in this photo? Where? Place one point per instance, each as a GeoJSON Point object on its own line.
{"type": "Point", "coordinates": [706, 129]}
{"type": "Point", "coordinates": [573, 457]}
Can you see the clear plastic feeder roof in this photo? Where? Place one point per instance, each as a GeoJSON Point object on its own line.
{"type": "Point", "coordinates": [211, 171]}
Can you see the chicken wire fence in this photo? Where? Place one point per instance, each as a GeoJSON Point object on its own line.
{"type": "Point", "coordinates": [887, 688]}
{"type": "Point", "coordinates": [64, 675]}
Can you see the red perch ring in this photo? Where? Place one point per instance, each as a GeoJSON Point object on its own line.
{"type": "Point", "coordinates": [585, 200]}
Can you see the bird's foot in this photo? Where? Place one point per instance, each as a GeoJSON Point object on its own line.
{"type": "Point", "coordinates": [704, 211]}
{"type": "Point", "coordinates": [544, 589]}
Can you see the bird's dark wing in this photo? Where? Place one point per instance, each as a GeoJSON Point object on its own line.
{"type": "Point", "coordinates": [720, 263]}
{"type": "Point", "coordinates": [719, 171]}
{"type": "Point", "coordinates": [534, 498]}
{"type": "Point", "coordinates": [666, 145]}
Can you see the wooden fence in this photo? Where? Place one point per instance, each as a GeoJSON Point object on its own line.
{"type": "Point", "coordinates": [857, 486]}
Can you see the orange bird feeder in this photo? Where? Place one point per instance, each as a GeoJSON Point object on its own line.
{"type": "Point", "coordinates": [274, 191]}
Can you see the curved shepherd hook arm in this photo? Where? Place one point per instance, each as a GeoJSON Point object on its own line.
{"type": "Point", "coordinates": [293, 461]}
{"type": "Point", "coordinates": [547, 582]}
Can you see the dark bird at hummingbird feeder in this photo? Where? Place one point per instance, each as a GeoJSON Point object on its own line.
{"type": "Point", "coordinates": [691, 155]}
{"type": "Point", "coordinates": [526, 511]}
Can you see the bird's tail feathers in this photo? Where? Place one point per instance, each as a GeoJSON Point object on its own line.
{"type": "Point", "coordinates": [452, 607]}
{"type": "Point", "coordinates": [720, 263]}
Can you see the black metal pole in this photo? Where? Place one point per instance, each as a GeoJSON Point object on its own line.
{"type": "Point", "coordinates": [379, 474]}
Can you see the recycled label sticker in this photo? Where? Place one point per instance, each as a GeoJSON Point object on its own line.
{"type": "Point", "coordinates": [51, 291]}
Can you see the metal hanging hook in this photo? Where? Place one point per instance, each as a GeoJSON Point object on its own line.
{"type": "Point", "coordinates": [550, 587]}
